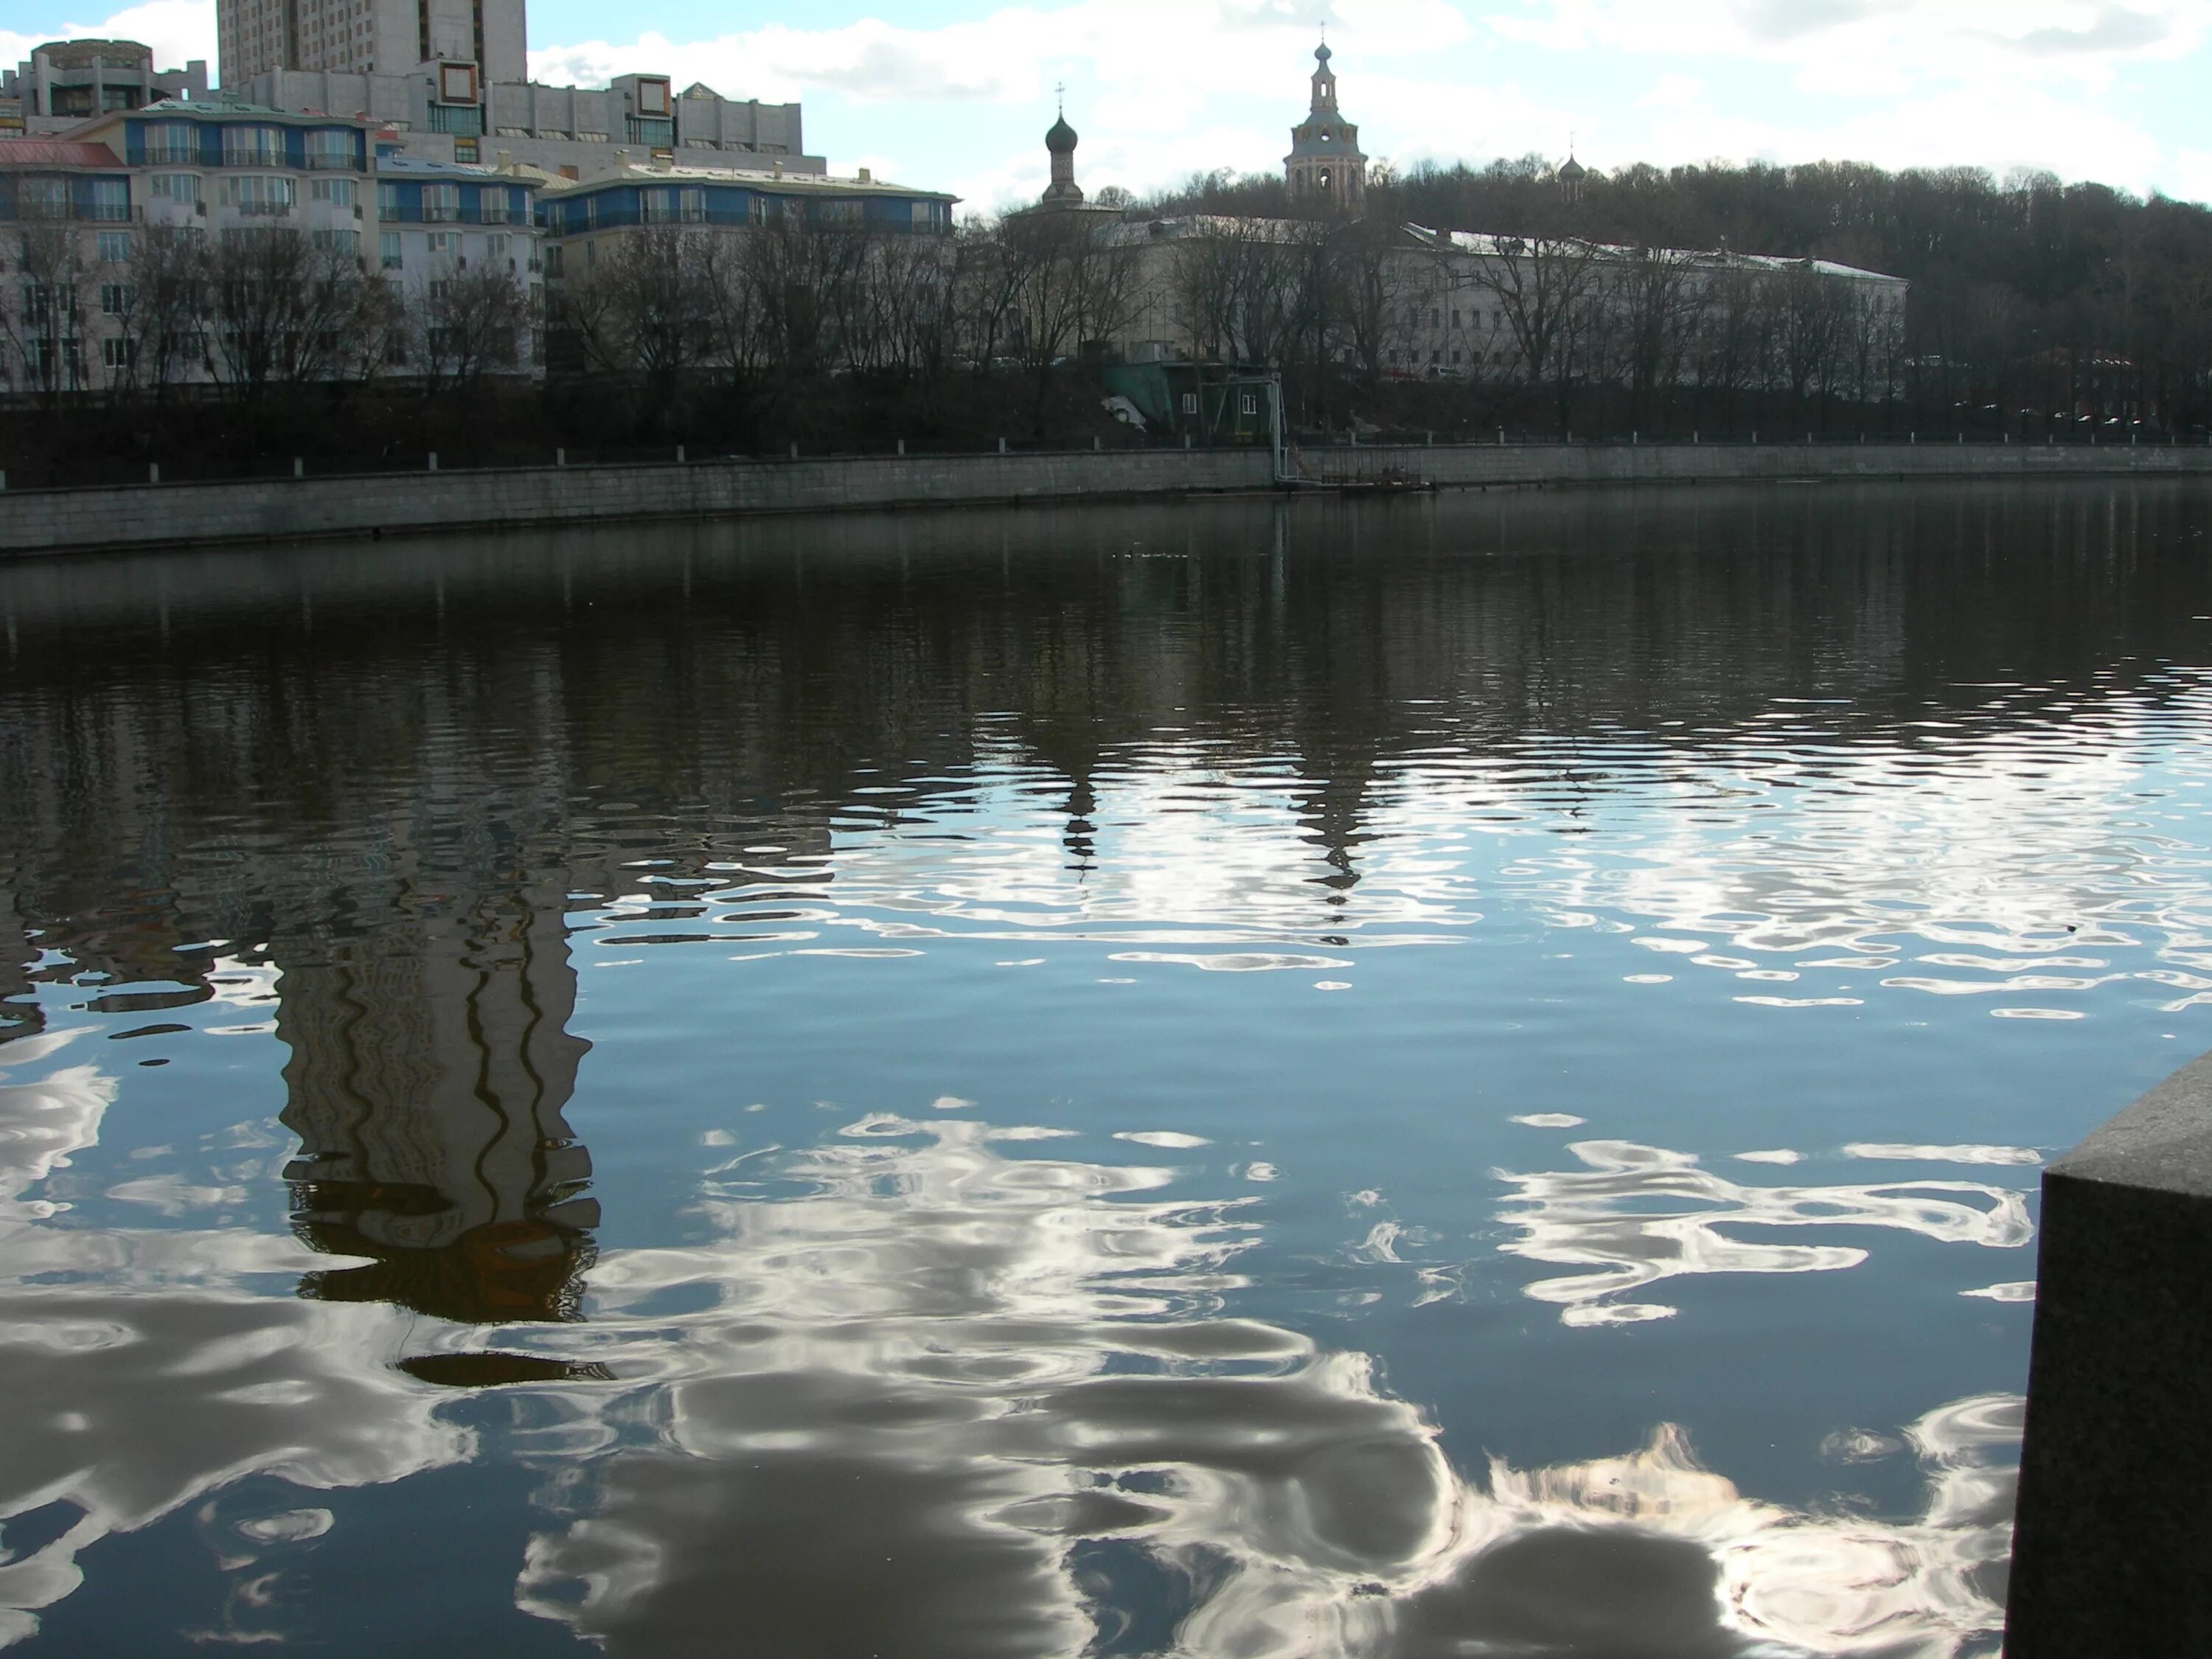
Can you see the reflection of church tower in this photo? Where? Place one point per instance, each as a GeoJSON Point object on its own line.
{"type": "Point", "coordinates": [1325, 170]}
{"type": "Point", "coordinates": [430, 1065]}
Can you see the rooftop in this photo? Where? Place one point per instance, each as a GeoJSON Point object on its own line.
{"type": "Point", "coordinates": [760, 179]}
{"type": "Point", "coordinates": [55, 153]}
{"type": "Point", "coordinates": [1482, 244]}
{"type": "Point", "coordinates": [233, 109]}
{"type": "Point", "coordinates": [427, 167]}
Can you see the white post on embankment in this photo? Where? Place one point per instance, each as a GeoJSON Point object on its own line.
{"type": "Point", "coordinates": [1097, 443]}
{"type": "Point", "coordinates": [433, 460]}
{"type": "Point", "coordinates": [1002, 446]}
{"type": "Point", "coordinates": [902, 446]}
{"type": "Point", "coordinates": [679, 455]}
{"type": "Point", "coordinates": [561, 458]}
{"type": "Point", "coordinates": [299, 467]}
{"type": "Point", "coordinates": [794, 452]}
{"type": "Point", "coordinates": [153, 472]}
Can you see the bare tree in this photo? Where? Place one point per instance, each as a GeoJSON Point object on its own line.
{"type": "Point", "coordinates": [1659, 308]}
{"type": "Point", "coordinates": [466, 324]}
{"type": "Point", "coordinates": [1070, 286]}
{"type": "Point", "coordinates": [1542, 286]}
{"type": "Point", "coordinates": [287, 310]}
{"type": "Point", "coordinates": [1371, 276]}
{"type": "Point", "coordinates": [650, 305]}
{"type": "Point", "coordinates": [1812, 314]}
{"type": "Point", "coordinates": [1732, 351]}
{"type": "Point", "coordinates": [46, 326]}
{"type": "Point", "coordinates": [166, 317]}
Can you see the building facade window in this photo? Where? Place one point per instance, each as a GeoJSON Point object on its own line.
{"type": "Point", "coordinates": [346, 243]}
{"type": "Point", "coordinates": [170, 142]}
{"type": "Point", "coordinates": [441, 203]}
{"type": "Point", "coordinates": [252, 147]}
{"type": "Point", "coordinates": [118, 354]}
{"type": "Point", "coordinates": [387, 202]}
{"type": "Point", "coordinates": [42, 198]}
{"type": "Point", "coordinates": [387, 248]}
{"type": "Point", "coordinates": [327, 149]}
{"type": "Point", "coordinates": [338, 192]}
{"type": "Point", "coordinates": [115, 299]}
{"type": "Point", "coordinates": [461, 120]}
{"type": "Point", "coordinates": [257, 195]}
{"type": "Point", "coordinates": [114, 247]}
{"type": "Point", "coordinates": [444, 241]}
{"type": "Point", "coordinates": [496, 246]}
{"type": "Point", "coordinates": [183, 187]}
{"type": "Point", "coordinates": [107, 199]}
{"type": "Point", "coordinates": [492, 207]}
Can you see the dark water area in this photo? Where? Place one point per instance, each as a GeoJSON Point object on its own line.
{"type": "Point", "coordinates": [1410, 1078]}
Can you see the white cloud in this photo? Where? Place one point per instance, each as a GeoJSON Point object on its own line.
{"type": "Point", "coordinates": [1161, 59]}
{"type": "Point", "coordinates": [1866, 46]}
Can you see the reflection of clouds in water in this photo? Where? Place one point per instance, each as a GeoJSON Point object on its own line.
{"type": "Point", "coordinates": [1637, 1215]}
{"type": "Point", "coordinates": [142, 1372]}
{"type": "Point", "coordinates": [951, 1402]}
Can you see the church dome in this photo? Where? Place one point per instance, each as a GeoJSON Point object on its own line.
{"type": "Point", "coordinates": [1061, 141]}
{"type": "Point", "coordinates": [1321, 52]}
{"type": "Point", "coordinates": [1574, 172]}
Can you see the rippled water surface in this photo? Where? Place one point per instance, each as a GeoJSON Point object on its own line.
{"type": "Point", "coordinates": [1414, 1079]}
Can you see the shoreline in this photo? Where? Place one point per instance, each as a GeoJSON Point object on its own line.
{"type": "Point", "coordinates": [371, 506]}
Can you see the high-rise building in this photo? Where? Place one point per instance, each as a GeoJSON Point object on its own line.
{"type": "Point", "coordinates": [364, 37]}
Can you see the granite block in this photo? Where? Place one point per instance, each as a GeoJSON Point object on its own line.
{"type": "Point", "coordinates": [2112, 1550]}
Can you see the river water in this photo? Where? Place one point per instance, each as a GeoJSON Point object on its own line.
{"type": "Point", "coordinates": [1462, 1076]}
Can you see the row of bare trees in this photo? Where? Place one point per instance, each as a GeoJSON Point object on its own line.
{"type": "Point", "coordinates": [2033, 298]}
{"type": "Point", "coordinates": [791, 301]}
{"type": "Point", "coordinates": [1551, 315]}
{"type": "Point", "coordinates": [248, 312]}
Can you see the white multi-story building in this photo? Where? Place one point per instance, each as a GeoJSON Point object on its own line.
{"type": "Point", "coordinates": [179, 196]}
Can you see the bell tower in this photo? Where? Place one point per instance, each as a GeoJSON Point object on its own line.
{"type": "Point", "coordinates": [1325, 170]}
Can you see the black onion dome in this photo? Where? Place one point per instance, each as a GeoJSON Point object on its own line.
{"type": "Point", "coordinates": [1061, 141]}
{"type": "Point", "coordinates": [1574, 170]}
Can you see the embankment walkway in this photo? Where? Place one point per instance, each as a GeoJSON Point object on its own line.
{"type": "Point", "coordinates": [41, 521]}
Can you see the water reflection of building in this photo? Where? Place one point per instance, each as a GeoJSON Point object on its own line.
{"type": "Point", "coordinates": [431, 1061]}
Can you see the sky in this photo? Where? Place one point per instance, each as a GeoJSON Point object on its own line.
{"type": "Point", "coordinates": [956, 94]}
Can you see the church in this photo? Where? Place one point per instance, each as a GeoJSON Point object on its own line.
{"type": "Point", "coordinates": [1395, 301]}
{"type": "Point", "coordinates": [1325, 171]}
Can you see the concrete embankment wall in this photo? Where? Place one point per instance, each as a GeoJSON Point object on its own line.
{"type": "Point", "coordinates": [286, 509]}
{"type": "Point", "coordinates": [1474, 465]}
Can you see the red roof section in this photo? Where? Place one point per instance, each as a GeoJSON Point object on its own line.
{"type": "Point", "coordinates": [55, 153]}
